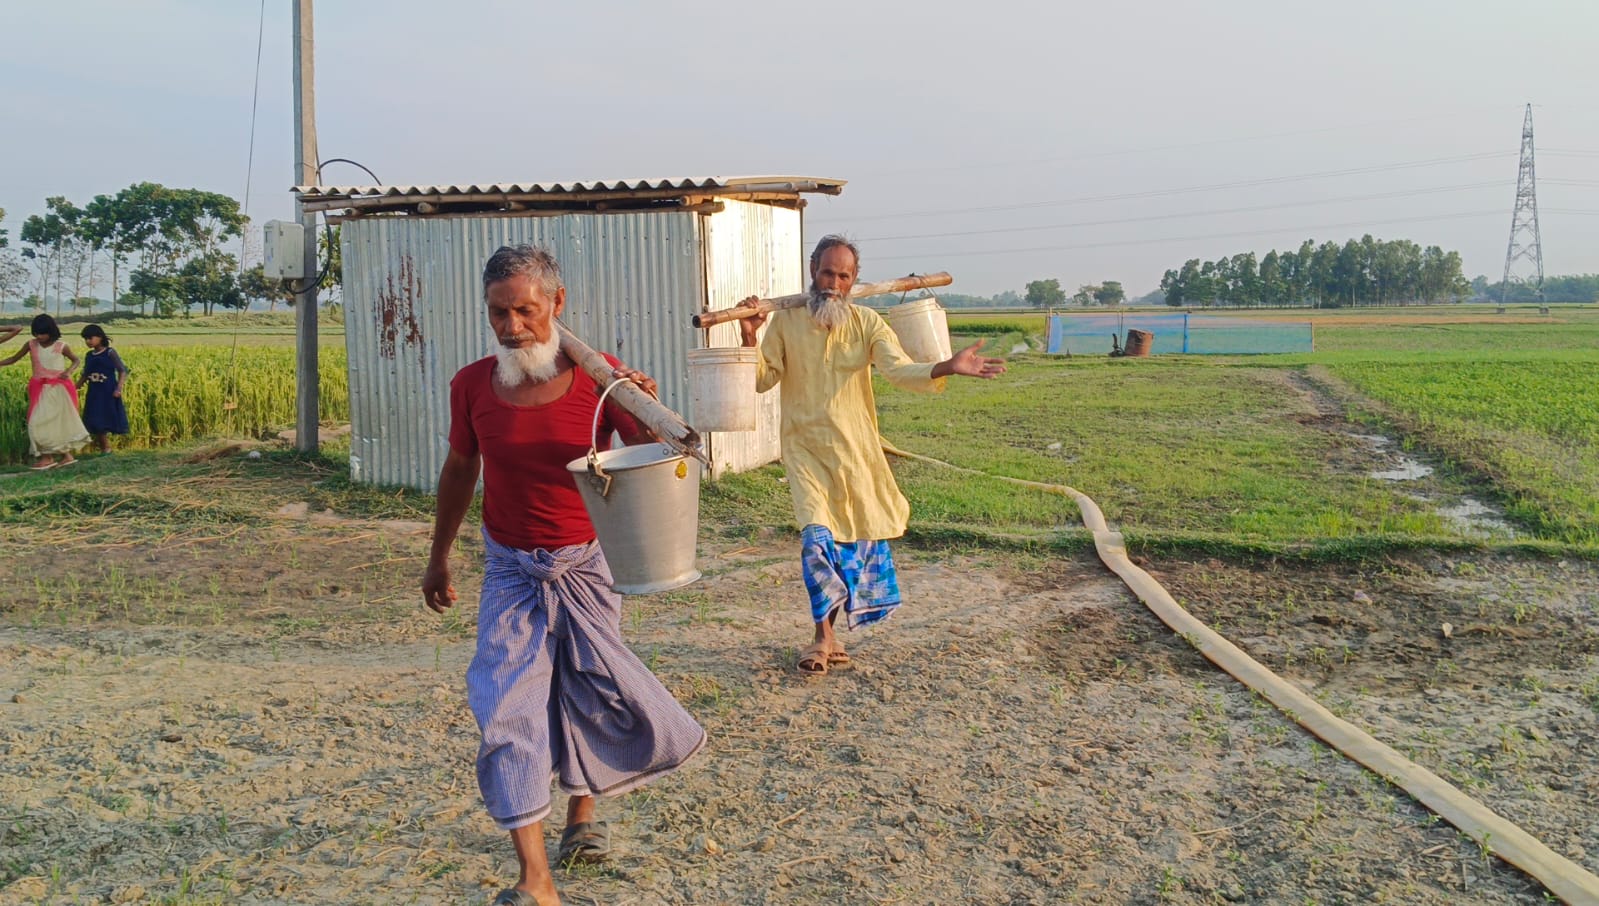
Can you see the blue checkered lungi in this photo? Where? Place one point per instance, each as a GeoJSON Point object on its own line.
{"type": "Point", "coordinates": [556, 691]}
{"type": "Point", "coordinates": [855, 575]}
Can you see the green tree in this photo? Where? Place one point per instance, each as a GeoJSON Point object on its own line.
{"type": "Point", "coordinates": [53, 242]}
{"type": "Point", "coordinates": [1110, 293]}
{"type": "Point", "coordinates": [1273, 287]}
{"type": "Point", "coordinates": [13, 277]}
{"type": "Point", "coordinates": [172, 228]}
{"type": "Point", "coordinates": [210, 281]}
{"type": "Point", "coordinates": [1244, 275]}
{"type": "Point", "coordinates": [256, 286]}
{"type": "Point", "coordinates": [1171, 284]}
{"type": "Point", "coordinates": [332, 258]}
{"type": "Point", "coordinates": [1045, 293]}
{"type": "Point", "coordinates": [1208, 285]}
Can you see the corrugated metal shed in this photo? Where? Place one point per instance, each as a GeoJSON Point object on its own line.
{"type": "Point", "coordinates": [678, 183]}
{"type": "Point", "coordinates": [414, 313]}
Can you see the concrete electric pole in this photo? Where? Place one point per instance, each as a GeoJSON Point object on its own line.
{"type": "Point", "coordinates": [306, 372]}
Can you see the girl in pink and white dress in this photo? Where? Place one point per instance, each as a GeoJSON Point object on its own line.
{"type": "Point", "coordinates": [54, 428]}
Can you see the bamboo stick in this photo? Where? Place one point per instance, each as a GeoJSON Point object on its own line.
{"type": "Point", "coordinates": [666, 424]}
{"type": "Point", "coordinates": [897, 285]}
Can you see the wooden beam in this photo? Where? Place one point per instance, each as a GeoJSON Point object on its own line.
{"type": "Point", "coordinates": [897, 285]}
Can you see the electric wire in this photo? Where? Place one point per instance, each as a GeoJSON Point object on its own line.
{"type": "Point", "coordinates": [249, 176]}
{"type": "Point", "coordinates": [1186, 190]}
{"type": "Point", "coordinates": [1216, 212]}
{"type": "Point", "coordinates": [1461, 215]}
{"type": "Point", "coordinates": [1152, 149]}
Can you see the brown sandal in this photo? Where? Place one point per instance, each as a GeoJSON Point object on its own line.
{"type": "Point", "coordinates": [817, 657]}
{"type": "Point", "coordinates": [837, 654]}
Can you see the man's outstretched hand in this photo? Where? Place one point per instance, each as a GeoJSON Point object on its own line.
{"type": "Point", "coordinates": [967, 362]}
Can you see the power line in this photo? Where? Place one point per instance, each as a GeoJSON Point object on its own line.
{"type": "Point", "coordinates": [1100, 245]}
{"type": "Point", "coordinates": [1126, 152]}
{"type": "Point", "coordinates": [1214, 187]}
{"type": "Point", "coordinates": [1498, 184]}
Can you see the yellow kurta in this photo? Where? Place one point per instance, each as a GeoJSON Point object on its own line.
{"type": "Point", "coordinates": [837, 472]}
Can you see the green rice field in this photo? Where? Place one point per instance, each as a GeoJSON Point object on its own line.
{"type": "Point", "coordinates": [1220, 453]}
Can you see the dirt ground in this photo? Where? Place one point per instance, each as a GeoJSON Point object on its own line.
{"type": "Point", "coordinates": [265, 714]}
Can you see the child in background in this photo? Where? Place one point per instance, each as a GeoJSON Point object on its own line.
{"type": "Point", "coordinates": [105, 375]}
{"type": "Point", "coordinates": [54, 428]}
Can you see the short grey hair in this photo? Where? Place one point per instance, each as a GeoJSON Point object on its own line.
{"type": "Point", "coordinates": [532, 261]}
{"type": "Point", "coordinates": [834, 240]}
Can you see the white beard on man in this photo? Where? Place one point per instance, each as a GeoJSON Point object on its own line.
{"type": "Point", "coordinates": [829, 309]}
{"type": "Point", "coordinates": [537, 363]}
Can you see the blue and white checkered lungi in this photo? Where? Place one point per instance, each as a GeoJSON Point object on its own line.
{"type": "Point", "coordinates": [555, 690]}
{"type": "Point", "coordinates": [855, 575]}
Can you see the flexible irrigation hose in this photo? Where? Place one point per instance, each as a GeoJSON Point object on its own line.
{"type": "Point", "coordinates": [1564, 878]}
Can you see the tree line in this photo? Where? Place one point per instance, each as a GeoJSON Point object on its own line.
{"type": "Point", "coordinates": [1363, 271]}
{"type": "Point", "coordinates": [159, 250]}
{"type": "Point", "coordinates": [1569, 288]}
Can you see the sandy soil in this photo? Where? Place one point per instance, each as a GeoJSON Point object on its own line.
{"type": "Point", "coordinates": [266, 715]}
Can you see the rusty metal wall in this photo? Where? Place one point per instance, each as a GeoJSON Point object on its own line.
{"type": "Point", "coordinates": [414, 316]}
{"type": "Point", "coordinates": [750, 249]}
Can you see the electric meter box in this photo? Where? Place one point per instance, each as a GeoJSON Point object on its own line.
{"type": "Point", "coordinates": [283, 250]}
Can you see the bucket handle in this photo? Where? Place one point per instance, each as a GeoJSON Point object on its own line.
{"type": "Point", "coordinates": [602, 480]}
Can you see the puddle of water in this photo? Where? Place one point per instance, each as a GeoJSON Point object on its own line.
{"type": "Point", "coordinates": [1470, 516]}
{"type": "Point", "coordinates": [1477, 517]}
{"type": "Point", "coordinates": [1407, 470]}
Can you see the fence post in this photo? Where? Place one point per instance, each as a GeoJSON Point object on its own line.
{"type": "Point", "coordinates": [1185, 333]}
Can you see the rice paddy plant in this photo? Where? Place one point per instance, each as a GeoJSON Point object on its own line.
{"type": "Point", "coordinates": [1531, 427]}
{"type": "Point", "coordinates": [179, 393]}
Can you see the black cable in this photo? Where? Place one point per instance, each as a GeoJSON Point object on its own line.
{"type": "Point", "coordinates": [327, 228]}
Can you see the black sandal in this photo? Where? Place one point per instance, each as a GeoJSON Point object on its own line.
{"type": "Point", "coordinates": [585, 842]}
{"type": "Point", "coordinates": [510, 896]}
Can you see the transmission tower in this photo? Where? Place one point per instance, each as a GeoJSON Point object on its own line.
{"type": "Point", "coordinates": [1524, 244]}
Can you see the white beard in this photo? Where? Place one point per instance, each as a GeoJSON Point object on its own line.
{"type": "Point", "coordinates": [534, 363]}
{"type": "Point", "coordinates": [828, 310]}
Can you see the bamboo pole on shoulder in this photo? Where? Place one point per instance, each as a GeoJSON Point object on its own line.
{"type": "Point", "coordinates": [666, 424]}
{"type": "Point", "coordinates": [897, 285]}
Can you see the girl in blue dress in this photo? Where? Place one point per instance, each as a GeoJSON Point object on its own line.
{"type": "Point", "coordinates": [105, 375]}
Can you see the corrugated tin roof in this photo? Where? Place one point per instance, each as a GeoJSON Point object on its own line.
{"type": "Point", "coordinates": [687, 184]}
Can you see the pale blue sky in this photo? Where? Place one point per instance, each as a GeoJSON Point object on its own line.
{"type": "Point", "coordinates": [932, 110]}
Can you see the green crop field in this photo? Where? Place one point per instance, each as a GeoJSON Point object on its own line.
{"type": "Point", "coordinates": [180, 393]}
{"type": "Point", "coordinates": [1210, 453]}
{"type": "Point", "coordinates": [1227, 453]}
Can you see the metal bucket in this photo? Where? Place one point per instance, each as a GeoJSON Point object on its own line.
{"type": "Point", "coordinates": [721, 382]}
{"type": "Point", "coordinates": [644, 502]}
{"type": "Point", "coordinates": [922, 328]}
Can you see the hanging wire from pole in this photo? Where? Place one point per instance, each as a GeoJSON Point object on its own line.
{"type": "Point", "coordinates": [232, 401]}
{"type": "Point", "coordinates": [327, 228]}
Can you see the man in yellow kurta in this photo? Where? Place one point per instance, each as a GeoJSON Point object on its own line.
{"type": "Point", "coordinates": [845, 497]}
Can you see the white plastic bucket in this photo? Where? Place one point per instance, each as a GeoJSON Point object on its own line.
{"type": "Point", "coordinates": [721, 382]}
{"type": "Point", "coordinates": [644, 502]}
{"type": "Point", "coordinates": [922, 328]}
